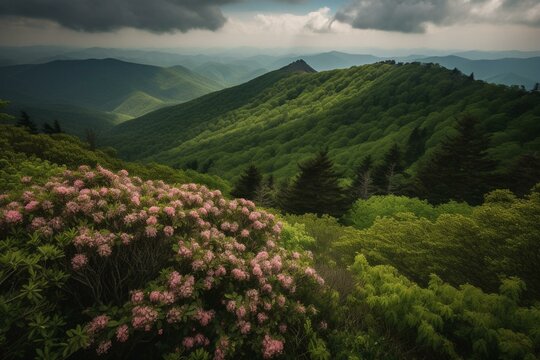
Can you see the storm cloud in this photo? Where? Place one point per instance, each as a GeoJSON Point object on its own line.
{"type": "Point", "coordinates": [412, 16]}
{"type": "Point", "coordinates": [107, 15]}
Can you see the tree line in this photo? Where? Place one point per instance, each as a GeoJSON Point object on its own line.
{"type": "Point", "coordinates": [460, 170]}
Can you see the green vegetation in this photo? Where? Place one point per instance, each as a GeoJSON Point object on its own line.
{"type": "Point", "coordinates": [281, 118]}
{"type": "Point", "coordinates": [25, 154]}
{"type": "Point", "coordinates": [106, 85]}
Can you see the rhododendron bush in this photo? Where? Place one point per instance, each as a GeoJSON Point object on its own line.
{"type": "Point", "coordinates": [124, 262]}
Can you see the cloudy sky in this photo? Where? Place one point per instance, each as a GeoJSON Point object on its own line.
{"type": "Point", "coordinates": [288, 24]}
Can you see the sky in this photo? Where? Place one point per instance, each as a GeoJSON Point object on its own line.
{"type": "Point", "coordinates": [268, 24]}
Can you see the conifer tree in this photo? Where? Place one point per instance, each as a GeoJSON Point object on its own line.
{"type": "Point", "coordinates": [384, 174]}
{"type": "Point", "coordinates": [56, 127]}
{"type": "Point", "coordinates": [523, 174]}
{"type": "Point", "coordinates": [25, 122]}
{"type": "Point", "coordinates": [248, 184]}
{"type": "Point", "coordinates": [362, 185]}
{"type": "Point", "coordinates": [416, 145]}
{"type": "Point", "coordinates": [47, 129]}
{"type": "Point", "coordinates": [461, 169]}
{"type": "Point", "coordinates": [266, 194]}
{"type": "Point", "coordinates": [315, 189]}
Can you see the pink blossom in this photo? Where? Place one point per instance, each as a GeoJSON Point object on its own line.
{"type": "Point", "coordinates": [26, 179]}
{"type": "Point", "coordinates": [143, 317]}
{"type": "Point", "coordinates": [151, 231]}
{"type": "Point", "coordinates": [137, 297]}
{"type": "Point", "coordinates": [103, 347]}
{"type": "Point", "coordinates": [244, 233]}
{"type": "Point", "coordinates": [154, 296]}
{"type": "Point", "coordinates": [31, 206]}
{"type": "Point", "coordinates": [262, 317]}
{"type": "Point", "coordinates": [104, 250]}
{"type": "Point", "coordinates": [152, 220]}
{"type": "Point", "coordinates": [122, 333]}
{"type": "Point", "coordinates": [168, 231]}
{"type": "Point", "coordinates": [97, 324]}
{"type": "Point", "coordinates": [204, 317]}
{"type": "Point", "coordinates": [153, 209]}
{"type": "Point", "coordinates": [188, 342]}
{"type": "Point", "coordinates": [257, 225]}
{"type": "Point", "coordinates": [174, 315]}
{"type": "Point", "coordinates": [79, 261]}
{"type": "Point", "coordinates": [271, 347]}
{"type": "Point", "coordinates": [169, 211]}
{"type": "Point", "coordinates": [245, 327]}
{"type": "Point", "coordinates": [239, 274]}
{"type": "Point", "coordinates": [13, 216]}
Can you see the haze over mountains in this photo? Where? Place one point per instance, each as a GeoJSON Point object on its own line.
{"type": "Point", "coordinates": [235, 67]}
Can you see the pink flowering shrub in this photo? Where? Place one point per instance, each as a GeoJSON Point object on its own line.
{"type": "Point", "coordinates": [181, 267]}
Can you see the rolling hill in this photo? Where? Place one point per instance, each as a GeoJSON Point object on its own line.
{"type": "Point", "coordinates": [102, 85]}
{"type": "Point", "coordinates": [284, 116]}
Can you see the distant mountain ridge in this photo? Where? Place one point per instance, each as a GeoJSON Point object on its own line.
{"type": "Point", "coordinates": [101, 84]}
{"type": "Point", "coordinates": [282, 117]}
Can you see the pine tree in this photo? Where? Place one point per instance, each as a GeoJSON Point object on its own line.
{"type": "Point", "coordinates": [91, 138]}
{"type": "Point", "coordinates": [56, 127]}
{"type": "Point", "coordinates": [384, 174]}
{"type": "Point", "coordinates": [47, 129]}
{"type": "Point", "coordinates": [25, 122]}
{"type": "Point", "coordinates": [315, 189]}
{"type": "Point", "coordinates": [249, 183]}
{"type": "Point", "coordinates": [461, 169]}
{"type": "Point", "coordinates": [266, 194]}
{"type": "Point", "coordinates": [523, 174]}
{"type": "Point", "coordinates": [416, 145]}
{"type": "Point", "coordinates": [362, 185]}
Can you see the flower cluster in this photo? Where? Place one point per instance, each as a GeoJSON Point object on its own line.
{"type": "Point", "coordinates": [224, 272]}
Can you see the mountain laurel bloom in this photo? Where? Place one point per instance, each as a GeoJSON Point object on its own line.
{"type": "Point", "coordinates": [199, 247]}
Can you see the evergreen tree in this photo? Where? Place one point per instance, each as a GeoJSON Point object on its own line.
{"type": "Point", "coordinates": [192, 165]}
{"type": "Point", "coordinates": [416, 145]}
{"type": "Point", "coordinates": [536, 87]}
{"type": "Point", "coordinates": [362, 185]}
{"type": "Point", "coordinates": [56, 127]}
{"type": "Point", "coordinates": [461, 169]}
{"type": "Point", "coordinates": [471, 76]}
{"type": "Point", "coordinates": [207, 165]}
{"type": "Point", "coordinates": [249, 183]}
{"type": "Point", "coordinates": [266, 194]}
{"type": "Point", "coordinates": [25, 122]}
{"type": "Point", "coordinates": [384, 174]}
{"type": "Point", "coordinates": [91, 138]}
{"type": "Point", "coordinates": [315, 189]}
{"type": "Point", "coordinates": [523, 174]}
{"type": "Point", "coordinates": [48, 129]}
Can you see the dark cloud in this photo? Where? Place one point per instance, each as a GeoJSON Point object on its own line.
{"type": "Point", "coordinates": [412, 16]}
{"type": "Point", "coordinates": [393, 15]}
{"type": "Point", "coordinates": [107, 15]}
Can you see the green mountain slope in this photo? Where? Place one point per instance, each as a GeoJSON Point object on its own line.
{"type": "Point", "coordinates": [100, 84]}
{"type": "Point", "coordinates": [283, 117]}
{"type": "Point", "coordinates": [73, 119]}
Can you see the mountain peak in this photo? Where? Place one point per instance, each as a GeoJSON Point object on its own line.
{"type": "Point", "coordinates": [298, 66]}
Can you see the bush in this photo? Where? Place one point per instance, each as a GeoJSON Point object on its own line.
{"type": "Point", "coordinates": [449, 322]}
{"type": "Point", "coordinates": [181, 269]}
{"type": "Point", "coordinates": [364, 212]}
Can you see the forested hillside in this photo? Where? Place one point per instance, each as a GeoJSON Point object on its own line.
{"type": "Point", "coordinates": [104, 85]}
{"type": "Point", "coordinates": [281, 118]}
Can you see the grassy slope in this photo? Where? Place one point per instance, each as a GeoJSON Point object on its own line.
{"type": "Point", "coordinates": [281, 118]}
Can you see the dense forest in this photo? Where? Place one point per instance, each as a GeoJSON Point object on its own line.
{"type": "Point", "coordinates": [283, 117]}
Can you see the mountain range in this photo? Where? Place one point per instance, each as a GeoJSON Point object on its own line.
{"type": "Point", "coordinates": [286, 115]}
